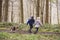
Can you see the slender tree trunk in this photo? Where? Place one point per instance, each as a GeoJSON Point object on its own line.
{"type": "Point", "coordinates": [47, 11]}
{"type": "Point", "coordinates": [49, 18]}
{"type": "Point", "coordinates": [22, 11]}
{"type": "Point", "coordinates": [21, 15]}
{"type": "Point", "coordinates": [3, 10]}
{"type": "Point", "coordinates": [9, 11]}
{"type": "Point", "coordinates": [37, 14]}
{"type": "Point", "coordinates": [50, 11]}
{"type": "Point", "coordinates": [57, 11]}
{"type": "Point", "coordinates": [0, 10]}
{"type": "Point", "coordinates": [44, 11]}
{"type": "Point", "coordinates": [41, 11]}
{"type": "Point", "coordinates": [6, 10]}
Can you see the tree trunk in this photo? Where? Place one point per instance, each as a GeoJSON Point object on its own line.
{"type": "Point", "coordinates": [22, 11]}
{"type": "Point", "coordinates": [50, 11]}
{"type": "Point", "coordinates": [37, 14]}
{"type": "Point", "coordinates": [47, 11]}
{"type": "Point", "coordinates": [0, 10]}
{"type": "Point", "coordinates": [44, 11]}
{"type": "Point", "coordinates": [4, 10]}
{"type": "Point", "coordinates": [57, 11]}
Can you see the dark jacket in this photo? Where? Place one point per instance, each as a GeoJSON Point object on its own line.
{"type": "Point", "coordinates": [31, 22]}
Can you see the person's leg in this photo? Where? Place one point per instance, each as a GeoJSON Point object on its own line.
{"type": "Point", "coordinates": [36, 30]}
{"type": "Point", "coordinates": [30, 28]}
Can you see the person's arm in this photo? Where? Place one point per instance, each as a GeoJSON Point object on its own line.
{"type": "Point", "coordinates": [41, 23]}
{"type": "Point", "coordinates": [28, 22]}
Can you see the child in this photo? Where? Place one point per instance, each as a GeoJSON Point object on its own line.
{"type": "Point", "coordinates": [31, 22]}
{"type": "Point", "coordinates": [37, 24]}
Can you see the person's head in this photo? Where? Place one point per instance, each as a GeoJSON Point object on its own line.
{"type": "Point", "coordinates": [38, 18]}
{"type": "Point", "coordinates": [32, 17]}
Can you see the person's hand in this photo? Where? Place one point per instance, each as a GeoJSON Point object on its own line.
{"type": "Point", "coordinates": [26, 23]}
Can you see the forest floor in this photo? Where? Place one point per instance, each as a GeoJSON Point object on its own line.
{"type": "Point", "coordinates": [47, 32]}
{"type": "Point", "coordinates": [26, 32]}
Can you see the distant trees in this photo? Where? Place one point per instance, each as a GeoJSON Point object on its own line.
{"type": "Point", "coordinates": [27, 8]}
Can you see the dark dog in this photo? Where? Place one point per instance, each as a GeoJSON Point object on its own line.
{"type": "Point", "coordinates": [14, 28]}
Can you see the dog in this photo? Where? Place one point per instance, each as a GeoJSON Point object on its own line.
{"type": "Point", "coordinates": [14, 28]}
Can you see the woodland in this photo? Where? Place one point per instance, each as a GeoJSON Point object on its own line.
{"type": "Point", "coordinates": [15, 13]}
